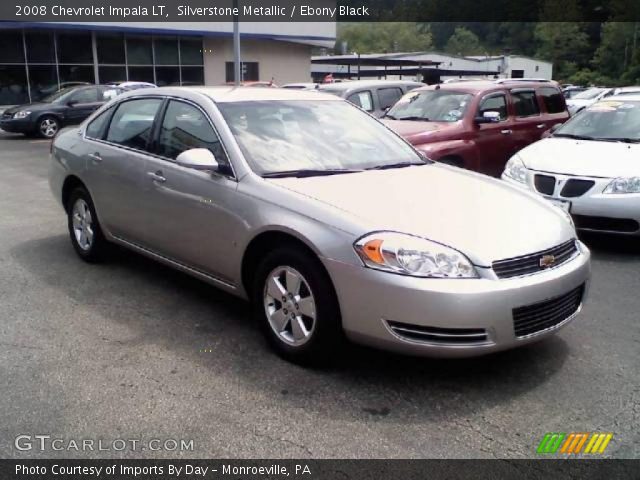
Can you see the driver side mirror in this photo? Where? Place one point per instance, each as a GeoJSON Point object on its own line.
{"type": "Point", "coordinates": [489, 117]}
{"type": "Point", "coordinates": [72, 103]}
{"type": "Point", "coordinates": [198, 159]}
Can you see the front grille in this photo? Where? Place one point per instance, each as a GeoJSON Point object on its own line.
{"type": "Point", "coordinates": [550, 313]}
{"type": "Point", "coordinates": [528, 264]}
{"type": "Point", "coordinates": [576, 187]}
{"type": "Point", "coordinates": [6, 116]}
{"type": "Point", "coordinates": [545, 184]}
{"type": "Point", "coordinates": [622, 225]}
{"type": "Point", "coordinates": [449, 336]}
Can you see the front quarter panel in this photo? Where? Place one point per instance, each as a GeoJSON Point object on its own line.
{"type": "Point", "coordinates": [67, 158]}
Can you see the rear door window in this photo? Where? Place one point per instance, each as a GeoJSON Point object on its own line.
{"type": "Point", "coordinates": [525, 103]}
{"type": "Point", "coordinates": [132, 123]}
{"type": "Point", "coordinates": [552, 99]}
{"type": "Point", "coordinates": [362, 99]}
{"type": "Point", "coordinates": [494, 103]}
{"type": "Point", "coordinates": [389, 96]}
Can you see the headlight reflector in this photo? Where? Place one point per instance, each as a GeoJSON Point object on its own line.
{"type": "Point", "coordinates": [623, 185]}
{"type": "Point", "coordinates": [515, 169]}
{"type": "Point", "coordinates": [408, 255]}
{"type": "Point", "coordinates": [22, 114]}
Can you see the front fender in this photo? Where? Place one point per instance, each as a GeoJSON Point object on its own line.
{"type": "Point", "coordinates": [463, 149]}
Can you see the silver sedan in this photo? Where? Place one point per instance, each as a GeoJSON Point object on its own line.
{"type": "Point", "coordinates": [333, 226]}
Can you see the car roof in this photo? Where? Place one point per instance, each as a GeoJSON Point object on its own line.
{"type": "Point", "coordinates": [488, 86]}
{"type": "Point", "coordinates": [365, 84]}
{"type": "Point", "coordinates": [240, 94]}
{"type": "Point", "coordinates": [635, 97]}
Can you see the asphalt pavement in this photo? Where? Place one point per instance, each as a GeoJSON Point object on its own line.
{"type": "Point", "coordinates": [133, 350]}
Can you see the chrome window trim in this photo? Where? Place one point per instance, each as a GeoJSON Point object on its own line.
{"type": "Point", "coordinates": [162, 98]}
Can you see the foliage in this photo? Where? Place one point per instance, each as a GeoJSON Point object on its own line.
{"type": "Point", "coordinates": [584, 53]}
{"type": "Point", "coordinates": [384, 37]}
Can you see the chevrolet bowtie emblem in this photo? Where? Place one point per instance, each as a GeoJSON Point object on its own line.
{"type": "Point", "coordinates": [547, 261]}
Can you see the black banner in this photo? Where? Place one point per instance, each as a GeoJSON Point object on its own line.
{"type": "Point", "coordinates": [318, 469]}
{"type": "Point", "coordinates": [318, 10]}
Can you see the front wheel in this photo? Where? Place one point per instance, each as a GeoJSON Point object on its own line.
{"type": "Point", "coordinates": [296, 307]}
{"type": "Point", "coordinates": [48, 126]}
{"type": "Point", "coordinates": [84, 229]}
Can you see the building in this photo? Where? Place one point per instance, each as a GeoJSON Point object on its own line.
{"type": "Point", "coordinates": [38, 58]}
{"type": "Point", "coordinates": [430, 67]}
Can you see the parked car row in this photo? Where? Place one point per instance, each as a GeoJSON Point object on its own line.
{"type": "Point", "coordinates": [330, 223]}
{"type": "Point", "coordinates": [69, 105]}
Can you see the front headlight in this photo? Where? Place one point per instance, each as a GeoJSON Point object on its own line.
{"type": "Point", "coordinates": [623, 185]}
{"type": "Point", "coordinates": [414, 256]}
{"type": "Point", "coordinates": [22, 114]}
{"type": "Point", "coordinates": [515, 169]}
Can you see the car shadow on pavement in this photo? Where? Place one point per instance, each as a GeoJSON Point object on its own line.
{"type": "Point", "coordinates": [611, 246]}
{"type": "Point", "coordinates": [203, 326]}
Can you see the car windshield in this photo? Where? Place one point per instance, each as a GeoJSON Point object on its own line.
{"type": "Point", "coordinates": [58, 96]}
{"type": "Point", "coordinates": [314, 136]}
{"type": "Point", "coordinates": [431, 105]}
{"type": "Point", "coordinates": [588, 94]}
{"type": "Point", "coordinates": [609, 120]}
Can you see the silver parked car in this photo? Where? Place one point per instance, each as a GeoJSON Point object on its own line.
{"type": "Point", "coordinates": [327, 221]}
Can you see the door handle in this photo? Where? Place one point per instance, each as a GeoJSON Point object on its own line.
{"type": "Point", "coordinates": [541, 125]}
{"type": "Point", "coordinates": [156, 176]}
{"type": "Point", "coordinates": [95, 157]}
{"type": "Point", "coordinates": [506, 132]}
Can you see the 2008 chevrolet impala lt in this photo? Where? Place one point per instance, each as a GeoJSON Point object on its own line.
{"type": "Point", "coordinates": [331, 224]}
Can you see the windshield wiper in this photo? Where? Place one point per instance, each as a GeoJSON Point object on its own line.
{"type": "Point", "coordinates": [414, 119]}
{"type": "Point", "coordinates": [308, 172]}
{"type": "Point", "coordinates": [386, 115]}
{"type": "Point", "coordinates": [397, 165]}
{"type": "Point", "coordinates": [575, 137]}
{"type": "Point", "coordinates": [619, 139]}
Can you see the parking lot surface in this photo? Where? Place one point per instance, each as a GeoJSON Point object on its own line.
{"type": "Point", "coordinates": [133, 350]}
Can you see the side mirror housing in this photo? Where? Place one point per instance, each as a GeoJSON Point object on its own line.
{"type": "Point", "coordinates": [198, 159]}
{"type": "Point", "coordinates": [71, 103]}
{"type": "Point", "coordinates": [488, 117]}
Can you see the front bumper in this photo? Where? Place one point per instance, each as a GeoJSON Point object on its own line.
{"type": "Point", "coordinates": [17, 125]}
{"type": "Point", "coordinates": [595, 211]}
{"type": "Point", "coordinates": [371, 301]}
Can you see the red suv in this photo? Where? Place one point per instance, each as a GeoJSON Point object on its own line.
{"type": "Point", "coordinates": [477, 125]}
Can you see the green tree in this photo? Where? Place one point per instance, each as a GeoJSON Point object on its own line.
{"type": "Point", "coordinates": [565, 45]}
{"type": "Point", "coordinates": [383, 37]}
{"type": "Point", "coordinates": [464, 42]}
{"type": "Point", "coordinates": [617, 55]}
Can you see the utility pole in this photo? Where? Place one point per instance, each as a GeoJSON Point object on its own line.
{"type": "Point", "coordinates": [237, 64]}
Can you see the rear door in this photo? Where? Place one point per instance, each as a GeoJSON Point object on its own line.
{"type": "Point", "coordinates": [528, 122]}
{"type": "Point", "coordinates": [116, 155]}
{"type": "Point", "coordinates": [554, 106]}
{"type": "Point", "coordinates": [494, 140]}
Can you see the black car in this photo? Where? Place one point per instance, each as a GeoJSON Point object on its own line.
{"type": "Point", "coordinates": [68, 106]}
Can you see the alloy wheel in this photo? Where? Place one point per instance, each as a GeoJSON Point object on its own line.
{"type": "Point", "coordinates": [82, 224]}
{"type": "Point", "coordinates": [289, 305]}
{"type": "Point", "coordinates": [48, 127]}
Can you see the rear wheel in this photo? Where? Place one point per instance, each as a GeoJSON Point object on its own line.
{"type": "Point", "coordinates": [48, 126]}
{"type": "Point", "coordinates": [84, 229]}
{"type": "Point", "coordinates": [296, 306]}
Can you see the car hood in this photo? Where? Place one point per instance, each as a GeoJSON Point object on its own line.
{"type": "Point", "coordinates": [580, 102]}
{"type": "Point", "coordinates": [28, 106]}
{"type": "Point", "coordinates": [484, 218]}
{"type": "Point", "coordinates": [418, 132]}
{"type": "Point", "coordinates": [583, 157]}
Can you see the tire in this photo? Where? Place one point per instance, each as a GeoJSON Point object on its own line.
{"type": "Point", "coordinates": [84, 229]}
{"type": "Point", "coordinates": [305, 328]}
{"type": "Point", "coordinates": [48, 126]}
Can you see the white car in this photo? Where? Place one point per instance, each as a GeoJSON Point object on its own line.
{"type": "Point", "coordinates": [590, 166]}
{"type": "Point", "coordinates": [584, 99]}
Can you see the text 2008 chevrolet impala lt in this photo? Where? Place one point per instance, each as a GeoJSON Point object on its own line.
{"type": "Point", "coordinates": [327, 221]}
